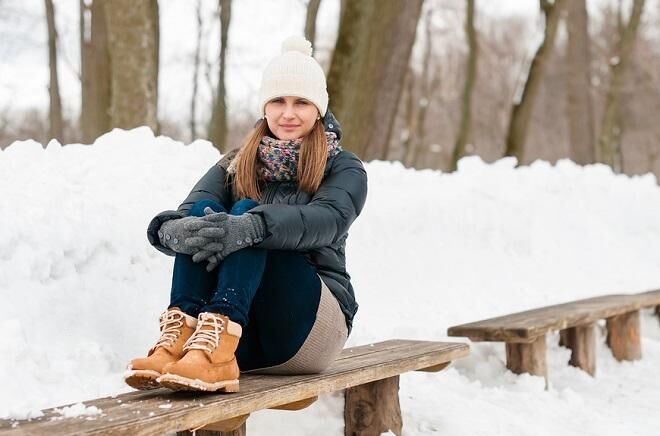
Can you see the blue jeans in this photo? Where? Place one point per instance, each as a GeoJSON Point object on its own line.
{"type": "Point", "coordinates": [273, 294]}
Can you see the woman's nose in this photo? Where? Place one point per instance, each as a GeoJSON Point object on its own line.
{"type": "Point", "coordinates": [289, 111]}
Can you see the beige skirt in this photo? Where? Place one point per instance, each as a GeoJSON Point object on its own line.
{"type": "Point", "coordinates": [323, 344]}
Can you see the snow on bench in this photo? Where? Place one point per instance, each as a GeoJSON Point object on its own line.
{"type": "Point", "coordinates": [369, 374]}
{"type": "Point", "coordinates": [524, 332]}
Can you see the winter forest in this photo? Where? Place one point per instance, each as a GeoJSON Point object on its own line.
{"type": "Point", "coordinates": [506, 261]}
{"type": "Point", "coordinates": [577, 80]}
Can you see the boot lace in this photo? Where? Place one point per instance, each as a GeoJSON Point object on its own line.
{"type": "Point", "coordinates": [170, 328]}
{"type": "Point", "coordinates": [206, 339]}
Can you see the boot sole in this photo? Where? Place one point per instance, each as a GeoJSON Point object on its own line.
{"type": "Point", "coordinates": [142, 379]}
{"type": "Point", "coordinates": [178, 383]}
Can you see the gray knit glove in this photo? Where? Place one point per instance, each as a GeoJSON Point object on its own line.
{"type": "Point", "coordinates": [220, 234]}
{"type": "Point", "coordinates": [173, 235]}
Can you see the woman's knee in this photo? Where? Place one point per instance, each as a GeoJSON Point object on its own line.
{"type": "Point", "coordinates": [242, 206]}
{"type": "Point", "coordinates": [198, 207]}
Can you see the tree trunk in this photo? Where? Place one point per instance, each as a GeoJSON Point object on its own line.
{"type": "Point", "coordinates": [95, 71]}
{"type": "Point", "coordinates": [417, 125]}
{"type": "Point", "coordinates": [609, 141]}
{"type": "Point", "coordinates": [522, 111]}
{"type": "Point", "coordinates": [421, 144]}
{"type": "Point", "coordinates": [155, 15]}
{"type": "Point", "coordinates": [470, 78]}
{"type": "Point", "coordinates": [133, 35]}
{"type": "Point", "coordinates": [193, 100]}
{"type": "Point", "coordinates": [310, 22]}
{"type": "Point", "coordinates": [218, 127]}
{"type": "Point", "coordinates": [410, 116]}
{"type": "Point", "coordinates": [55, 112]}
{"type": "Point", "coordinates": [579, 110]}
{"type": "Point", "coordinates": [367, 70]}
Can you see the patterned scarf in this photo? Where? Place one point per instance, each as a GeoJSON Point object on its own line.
{"type": "Point", "coordinates": [278, 159]}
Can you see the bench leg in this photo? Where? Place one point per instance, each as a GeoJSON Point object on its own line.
{"type": "Point", "coordinates": [220, 429]}
{"type": "Point", "coordinates": [623, 336]}
{"type": "Point", "coordinates": [527, 357]}
{"type": "Point", "coordinates": [373, 408]}
{"type": "Point", "coordinates": [563, 338]}
{"type": "Point", "coordinates": [582, 342]}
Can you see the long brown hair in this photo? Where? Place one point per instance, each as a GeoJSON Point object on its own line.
{"type": "Point", "coordinates": [311, 164]}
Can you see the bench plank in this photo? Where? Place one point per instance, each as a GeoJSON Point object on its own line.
{"type": "Point", "coordinates": [526, 326]}
{"type": "Point", "coordinates": [157, 411]}
{"type": "Point", "coordinates": [649, 298]}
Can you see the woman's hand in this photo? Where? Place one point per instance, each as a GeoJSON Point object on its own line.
{"type": "Point", "coordinates": [172, 234]}
{"type": "Point", "coordinates": [217, 235]}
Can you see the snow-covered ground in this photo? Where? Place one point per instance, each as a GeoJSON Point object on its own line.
{"type": "Point", "coordinates": [82, 289]}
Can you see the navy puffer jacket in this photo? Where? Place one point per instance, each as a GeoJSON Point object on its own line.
{"type": "Point", "coordinates": [315, 224]}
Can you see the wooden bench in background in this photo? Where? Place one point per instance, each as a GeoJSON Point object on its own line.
{"type": "Point", "coordinates": [524, 332]}
{"type": "Point", "coordinates": [369, 375]}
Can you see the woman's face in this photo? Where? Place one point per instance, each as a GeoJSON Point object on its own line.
{"type": "Point", "coordinates": [290, 117]}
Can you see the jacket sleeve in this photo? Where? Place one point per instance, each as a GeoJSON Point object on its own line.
{"type": "Point", "coordinates": [328, 215]}
{"type": "Point", "coordinates": [210, 187]}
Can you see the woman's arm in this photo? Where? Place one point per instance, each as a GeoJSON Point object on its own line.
{"type": "Point", "coordinates": [326, 218]}
{"type": "Point", "coordinates": [210, 187]}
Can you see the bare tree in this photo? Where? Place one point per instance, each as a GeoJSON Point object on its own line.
{"type": "Point", "coordinates": [470, 77]}
{"type": "Point", "coordinates": [522, 111]}
{"type": "Point", "coordinates": [133, 35]}
{"type": "Point", "coordinates": [417, 104]}
{"type": "Point", "coordinates": [196, 62]}
{"type": "Point", "coordinates": [609, 141]}
{"type": "Point", "coordinates": [55, 113]}
{"type": "Point", "coordinates": [579, 108]}
{"type": "Point", "coordinates": [367, 70]}
{"type": "Point", "coordinates": [409, 115]}
{"type": "Point", "coordinates": [310, 22]}
{"type": "Point", "coordinates": [94, 71]}
{"type": "Point", "coordinates": [218, 127]}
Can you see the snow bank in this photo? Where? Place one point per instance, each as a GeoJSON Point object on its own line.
{"type": "Point", "coordinates": [83, 288]}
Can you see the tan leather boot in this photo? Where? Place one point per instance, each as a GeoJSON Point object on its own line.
{"type": "Point", "coordinates": [176, 328]}
{"type": "Point", "coordinates": [209, 363]}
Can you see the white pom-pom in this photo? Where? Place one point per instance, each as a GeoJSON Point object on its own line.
{"type": "Point", "coordinates": [297, 43]}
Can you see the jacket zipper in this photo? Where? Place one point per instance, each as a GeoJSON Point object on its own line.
{"type": "Point", "coordinates": [270, 193]}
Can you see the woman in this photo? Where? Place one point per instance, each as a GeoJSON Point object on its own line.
{"type": "Point", "coordinates": [271, 221]}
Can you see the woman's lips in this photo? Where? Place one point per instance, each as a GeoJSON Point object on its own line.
{"type": "Point", "coordinates": [289, 127]}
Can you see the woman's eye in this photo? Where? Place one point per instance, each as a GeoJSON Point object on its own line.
{"type": "Point", "coordinates": [305, 102]}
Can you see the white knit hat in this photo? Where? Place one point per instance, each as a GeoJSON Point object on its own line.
{"type": "Point", "coordinates": [296, 73]}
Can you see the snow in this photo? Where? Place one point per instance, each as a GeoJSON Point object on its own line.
{"type": "Point", "coordinates": [77, 410]}
{"type": "Point", "coordinates": [82, 288]}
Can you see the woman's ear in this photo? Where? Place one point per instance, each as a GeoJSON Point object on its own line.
{"type": "Point", "coordinates": [260, 120]}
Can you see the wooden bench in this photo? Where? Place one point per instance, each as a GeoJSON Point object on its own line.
{"type": "Point", "coordinates": [369, 374]}
{"type": "Point", "coordinates": [524, 332]}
